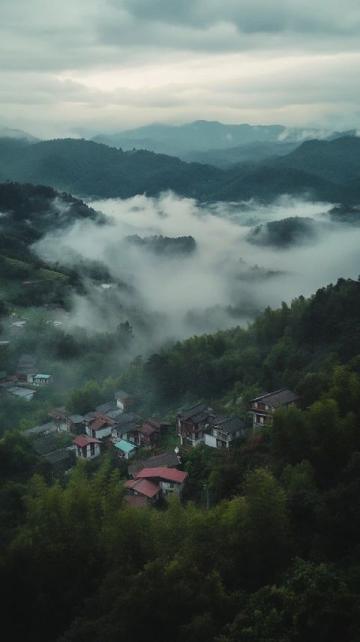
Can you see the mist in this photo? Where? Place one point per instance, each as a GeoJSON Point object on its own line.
{"type": "Point", "coordinates": [225, 281]}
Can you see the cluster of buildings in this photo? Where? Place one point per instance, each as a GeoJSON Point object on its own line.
{"type": "Point", "coordinates": [115, 426]}
{"type": "Point", "coordinates": [200, 424]}
{"type": "Point", "coordinates": [27, 378]}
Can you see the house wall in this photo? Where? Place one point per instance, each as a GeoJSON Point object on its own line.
{"type": "Point", "coordinates": [120, 405]}
{"type": "Point", "coordinates": [210, 440]}
{"type": "Point", "coordinates": [103, 432]}
{"type": "Point", "coordinates": [85, 453]}
{"type": "Point", "coordinates": [170, 487]}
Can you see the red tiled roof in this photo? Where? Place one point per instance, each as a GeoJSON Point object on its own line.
{"type": "Point", "coordinates": [100, 422]}
{"type": "Point", "coordinates": [143, 486]}
{"type": "Point", "coordinates": [84, 440]}
{"type": "Point", "coordinates": [168, 474]}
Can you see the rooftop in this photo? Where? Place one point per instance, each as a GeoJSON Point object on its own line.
{"type": "Point", "coordinates": [104, 408]}
{"type": "Point", "coordinates": [125, 446]}
{"type": "Point", "coordinates": [277, 398]}
{"type": "Point", "coordinates": [167, 460]}
{"type": "Point", "coordinates": [161, 472]}
{"type": "Point", "coordinates": [229, 424]}
{"type": "Point", "coordinates": [143, 486]}
{"type": "Point", "coordinates": [40, 430]}
{"type": "Point", "coordinates": [84, 440]}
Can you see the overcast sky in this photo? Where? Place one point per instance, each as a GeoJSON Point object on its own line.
{"type": "Point", "coordinates": [81, 66]}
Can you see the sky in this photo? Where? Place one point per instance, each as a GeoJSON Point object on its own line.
{"type": "Point", "coordinates": [88, 66]}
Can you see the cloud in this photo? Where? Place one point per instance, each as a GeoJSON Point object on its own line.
{"type": "Point", "coordinates": [215, 287]}
{"type": "Point", "coordinates": [94, 60]}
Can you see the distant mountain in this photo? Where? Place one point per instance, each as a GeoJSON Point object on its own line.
{"type": "Point", "coordinates": [90, 169]}
{"type": "Point", "coordinates": [253, 152]}
{"type": "Point", "coordinates": [7, 132]}
{"type": "Point", "coordinates": [337, 160]}
{"type": "Point", "coordinates": [202, 136]}
{"type": "Point", "coordinates": [320, 169]}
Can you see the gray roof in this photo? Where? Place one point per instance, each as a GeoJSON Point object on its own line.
{"type": "Point", "coordinates": [123, 430]}
{"type": "Point", "coordinates": [105, 407]}
{"type": "Point", "coordinates": [114, 414]}
{"type": "Point", "coordinates": [41, 430]}
{"type": "Point", "coordinates": [277, 398]}
{"type": "Point", "coordinates": [127, 418]}
{"type": "Point", "coordinates": [197, 413]}
{"type": "Point", "coordinates": [77, 419]}
{"type": "Point", "coordinates": [22, 392]}
{"type": "Point", "coordinates": [230, 424]}
{"type": "Point", "coordinates": [60, 455]}
{"type": "Point", "coordinates": [167, 460]}
{"type": "Point", "coordinates": [89, 416]}
{"type": "Point", "coordinates": [45, 444]}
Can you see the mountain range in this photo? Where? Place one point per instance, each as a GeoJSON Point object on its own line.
{"type": "Point", "coordinates": [324, 169]}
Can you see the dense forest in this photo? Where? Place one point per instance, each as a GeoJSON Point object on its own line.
{"type": "Point", "coordinates": [265, 546]}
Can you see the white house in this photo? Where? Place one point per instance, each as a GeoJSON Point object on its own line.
{"type": "Point", "coordinates": [223, 430]}
{"type": "Point", "coordinates": [123, 400]}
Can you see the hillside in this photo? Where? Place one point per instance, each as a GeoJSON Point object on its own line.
{"type": "Point", "coordinates": [90, 169]}
{"type": "Point", "coordinates": [324, 170]}
{"type": "Point", "coordinates": [336, 160]}
{"type": "Point", "coordinates": [27, 213]}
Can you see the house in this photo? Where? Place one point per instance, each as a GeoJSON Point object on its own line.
{"type": "Point", "coordinates": [127, 427]}
{"type": "Point", "coordinates": [169, 480]}
{"type": "Point", "coordinates": [44, 429]}
{"type": "Point", "coordinates": [123, 400]}
{"type": "Point", "coordinates": [86, 447]}
{"type": "Point", "coordinates": [41, 379]}
{"type": "Point", "coordinates": [27, 394]}
{"type": "Point", "coordinates": [192, 423]}
{"type": "Point", "coordinates": [223, 430]}
{"type": "Point", "coordinates": [166, 460]}
{"type": "Point", "coordinates": [262, 408]}
{"type": "Point", "coordinates": [148, 434]}
{"type": "Point", "coordinates": [104, 408]}
{"type": "Point", "coordinates": [61, 459]}
{"type": "Point", "coordinates": [74, 424]}
{"type": "Point", "coordinates": [99, 427]}
{"type": "Point", "coordinates": [143, 488]}
{"type": "Point", "coordinates": [125, 449]}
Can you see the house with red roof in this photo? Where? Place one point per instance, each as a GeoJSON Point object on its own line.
{"type": "Point", "coordinates": [169, 480]}
{"type": "Point", "coordinates": [145, 488]}
{"type": "Point", "coordinates": [99, 427]}
{"type": "Point", "coordinates": [86, 447]}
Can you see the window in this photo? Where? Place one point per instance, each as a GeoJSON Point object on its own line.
{"type": "Point", "coordinates": [92, 450]}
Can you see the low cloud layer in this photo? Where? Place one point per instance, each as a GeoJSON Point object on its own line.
{"type": "Point", "coordinates": [224, 282]}
{"type": "Point", "coordinates": [103, 61]}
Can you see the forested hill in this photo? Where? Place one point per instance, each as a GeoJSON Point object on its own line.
{"type": "Point", "coordinates": [293, 346]}
{"type": "Point", "coordinates": [91, 169]}
{"type": "Point", "coordinates": [27, 213]}
{"type": "Point", "coordinates": [324, 170]}
{"type": "Point", "coordinates": [268, 548]}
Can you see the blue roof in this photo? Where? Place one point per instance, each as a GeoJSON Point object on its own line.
{"type": "Point", "coordinates": [125, 446]}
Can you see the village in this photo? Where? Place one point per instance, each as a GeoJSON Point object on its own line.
{"type": "Point", "coordinates": [153, 472]}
